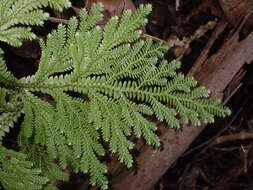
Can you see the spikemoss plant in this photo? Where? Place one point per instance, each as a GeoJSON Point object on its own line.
{"type": "Point", "coordinates": [14, 13]}
{"type": "Point", "coordinates": [94, 84]}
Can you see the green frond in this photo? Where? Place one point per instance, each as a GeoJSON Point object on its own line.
{"type": "Point", "coordinates": [40, 159]}
{"type": "Point", "coordinates": [127, 29]}
{"type": "Point", "coordinates": [71, 30]}
{"type": "Point", "coordinates": [5, 75]}
{"type": "Point", "coordinates": [10, 110]}
{"type": "Point", "coordinates": [40, 116]}
{"type": "Point", "coordinates": [13, 35]}
{"type": "Point", "coordinates": [6, 122]}
{"type": "Point", "coordinates": [89, 21]}
{"type": "Point", "coordinates": [17, 173]}
{"type": "Point", "coordinates": [141, 126]}
{"type": "Point", "coordinates": [146, 129]}
{"type": "Point", "coordinates": [25, 12]}
{"type": "Point", "coordinates": [80, 135]}
{"type": "Point", "coordinates": [34, 17]}
{"type": "Point", "coordinates": [98, 84]}
{"type": "Point", "coordinates": [53, 58]}
{"type": "Point", "coordinates": [158, 75]}
{"type": "Point", "coordinates": [164, 113]}
{"type": "Point", "coordinates": [59, 4]}
{"type": "Point", "coordinates": [114, 129]}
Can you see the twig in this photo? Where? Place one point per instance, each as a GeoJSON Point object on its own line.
{"type": "Point", "coordinates": [226, 149]}
{"type": "Point", "coordinates": [220, 27]}
{"type": "Point", "coordinates": [58, 20]}
{"type": "Point", "coordinates": [234, 85]}
{"type": "Point", "coordinates": [76, 10]}
{"type": "Point", "coordinates": [177, 5]}
{"type": "Point", "coordinates": [154, 38]}
{"type": "Point", "coordinates": [233, 137]}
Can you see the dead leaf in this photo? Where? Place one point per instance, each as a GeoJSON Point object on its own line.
{"type": "Point", "coordinates": [112, 7]}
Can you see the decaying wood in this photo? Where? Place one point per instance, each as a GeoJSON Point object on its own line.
{"type": "Point", "coordinates": [182, 47]}
{"type": "Point", "coordinates": [220, 27]}
{"type": "Point", "coordinates": [215, 73]}
{"type": "Point", "coordinates": [236, 10]}
{"type": "Point", "coordinates": [234, 85]}
{"type": "Point", "coordinates": [233, 137]}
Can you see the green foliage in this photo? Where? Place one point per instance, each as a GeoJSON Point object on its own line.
{"type": "Point", "coordinates": [9, 110]}
{"type": "Point", "coordinates": [98, 84]}
{"type": "Point", "coordinates": [16, 173]}
{"type": "Point", "coordinates": [25, 12]}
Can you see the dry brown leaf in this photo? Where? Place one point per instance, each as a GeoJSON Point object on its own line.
{"type": "Point", "coordinates": [112, 7]}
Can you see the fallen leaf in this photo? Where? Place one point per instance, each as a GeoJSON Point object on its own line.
{"type": "Point", "coordinates": [112, 7]}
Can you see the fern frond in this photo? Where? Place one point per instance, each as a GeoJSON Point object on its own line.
{"type": "Point", "coordinates": [59, 4]}
{"type": "Point", "coordinates": [53, 59]}
{"type": "Point", "coordinates": [5, 75]}
{"type": "Point", "coordinates": [164, 113]}
{"type": "Point", "coordinates": [127, 30]}
{"type": "Point", "coordinates": [82, 136]}
{"type": "Point", "coordinates": [71, 138]}
{"type": "Point", "coordinates": [89, 21]}
{"type": "Point", "coordinates": [114, 130]}
{"type": "Point", "coordinates": [13, 35]}
{"type": "Point", "coordinates": [92, 85]}
{"type": "Point", "coordinates": [158, 75]}
{"type": "Point", "coordinates": [26, 12]}
{"type": "Point", "coordinates": [17, 173]}
{"type": "Point", "coordinates": [39, 157]}
{"type": "Point", "coordinates": [10, 110]}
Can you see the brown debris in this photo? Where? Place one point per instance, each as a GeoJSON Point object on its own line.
{"type": "Point", "coordinates": [236, 10]}
{"type": "Point", "coordinates": [112, 7]}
